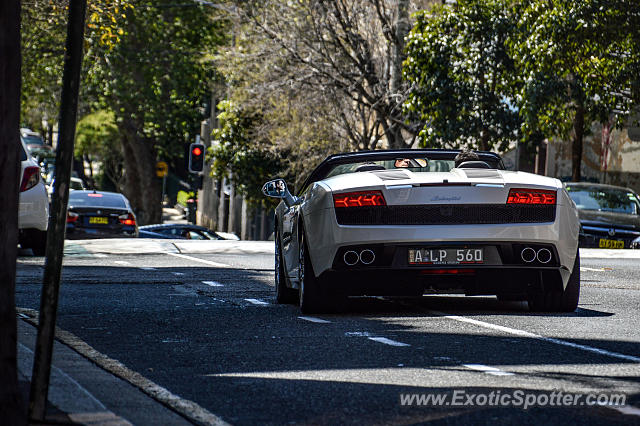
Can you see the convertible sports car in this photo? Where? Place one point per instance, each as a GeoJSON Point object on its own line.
{"type": "Point", "coordinates": [408, 222]}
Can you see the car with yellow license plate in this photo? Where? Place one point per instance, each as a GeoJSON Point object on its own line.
{"type": "Point", "coordinates": [99, 214]}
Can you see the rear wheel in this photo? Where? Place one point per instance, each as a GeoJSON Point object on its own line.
{"type": "Point", "coordinates": [284, 294]}
{"type": "Point", "coordinates": [559, 300]}
{"type": "Point", "coordinates": [36, 240]}
{"type": "Point", "coordinates": [311, 297]}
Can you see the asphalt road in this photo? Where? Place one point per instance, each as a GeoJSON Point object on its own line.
{"type": "Point", "coordinates": [205, 327]}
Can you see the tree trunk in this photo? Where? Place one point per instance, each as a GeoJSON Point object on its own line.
{"type": "Point", "coordinates": [576, 149]}
{"type": "Point", "coordinates": [141, 186]}
{"type": "Point", "coordinates": [11, 408]}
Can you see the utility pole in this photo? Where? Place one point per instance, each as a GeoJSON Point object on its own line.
{"type": "Point", "coordinates": [58, 218]}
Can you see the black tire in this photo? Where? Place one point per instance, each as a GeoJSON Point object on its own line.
{"type": "Point", "coordinates": [284, 294]}
{"type": "Point", "coordinates": [511, 297]}
{"type": "Point", "coordinates": [311, 297]}
{"type": "Point", "coordinates": [571, 294]}
{"type": "Point", "coordinates": [36, 240]}
{"type": "Point", "coordinates": [559, 300]}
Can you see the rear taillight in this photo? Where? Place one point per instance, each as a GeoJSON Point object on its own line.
{"type": "Point", "coordinates": [72, 217]}
{"type": "Point", "coordinates": [531, 196]}
{"type": "Point", "coordinates": [359, 199]}
{"type": "Point", "coordinates": [30, 178]}
{"type": "Point", "coordinates": [127, 219]}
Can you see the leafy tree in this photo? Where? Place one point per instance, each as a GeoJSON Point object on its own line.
{"type": "Point", "coordinates": [97, 140]}
{"type": "Point", "coordinates": [462, 75]}
{"type": "Point", "coordinates": [237, 151]}
{"type": "Point", "coordinates": [579, 62]}
{"type": "Point", "coordinates": [154, 80]}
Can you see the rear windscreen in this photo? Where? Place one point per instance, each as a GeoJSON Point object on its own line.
{"type": "Point", "coordinates": [90, 199]}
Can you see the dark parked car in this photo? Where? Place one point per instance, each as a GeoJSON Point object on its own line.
{"type": "Point", "coordinates": [183, 231]}
{"type": "Point", "coordinates": [99, 214]}
{"type": "Point", "coordinates": [609, 215]}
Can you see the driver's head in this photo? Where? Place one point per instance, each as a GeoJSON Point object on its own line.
{"type": "Point", "coordinates": [403, 162]}
{"type": "Point", "coordinates": [465, 155]}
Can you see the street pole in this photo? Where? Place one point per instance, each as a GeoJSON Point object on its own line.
{"type": "Point", "coordinates": [58, 218]}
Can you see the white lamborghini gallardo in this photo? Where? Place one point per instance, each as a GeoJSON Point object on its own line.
{"type": "Point", "coordinates": [408, 222]}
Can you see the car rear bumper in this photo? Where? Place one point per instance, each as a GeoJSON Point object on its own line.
{"type": "Point", "coordinates": [33, 211]}
{"type": "Point", "coordinates": [469, 281]}
{"type": "Point", "coordinates": [81, 233]}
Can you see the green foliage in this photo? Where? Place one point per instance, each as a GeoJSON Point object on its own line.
{"type": "Point", "coordinates": [97, 135]}
{"type": "Point", "coordinates": [240, 153]}
{"type": "Point", "coordinates": [183, 196]}
{"type": "Point", "coordinates": [463, 78]}
{"type": "Point", "coordinates": [576, 54]}
{"type": "Point", "coordinates": [155, 78]}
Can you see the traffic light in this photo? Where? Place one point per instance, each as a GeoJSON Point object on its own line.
{"type": "Point", "coordinates": [196, 157]}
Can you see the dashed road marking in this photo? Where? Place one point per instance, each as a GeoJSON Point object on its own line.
{"type": "Point", "coordinates": [257, 302]}
{"type": "Point", "coordinates": [584, 268]}
{"type": "Point", "coordinates": [212, 283]}
{"type": "Point", "coordinates": [316, 320]}
{"type": "Point", "coordinates": [527, 334]}
{"type": "Point", "coordinates": [487, 370]}
{"type": "Point", "coordinates": [178, 274]}
{"type": "Point", "coordinates": [386, 341]}
{"type": "Point", "coordinates": [206, 262]}
{"type": "Point", "coordinates": [122, 262]}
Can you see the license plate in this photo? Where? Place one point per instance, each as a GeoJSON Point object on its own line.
{"type": "Point", "coordinates": [98, 220]}
{"type": "Point", "coordinates": [446, 256]}
{"type": "Point", "coordinates": [612, 244]}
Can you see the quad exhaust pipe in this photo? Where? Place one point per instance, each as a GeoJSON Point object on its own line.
{"type": "Point", "coordinates": [366, 257]}
{"type": "Point", "coordinates": [529, 255]}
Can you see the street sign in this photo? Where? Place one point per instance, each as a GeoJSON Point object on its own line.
{"type": "Point", "coordinates": [162, 169]}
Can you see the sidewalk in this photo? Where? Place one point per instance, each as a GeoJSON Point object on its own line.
{"type": "Point", "coordinates": [81, 392]}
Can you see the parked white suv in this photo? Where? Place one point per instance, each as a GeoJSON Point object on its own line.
{"type": "Point", "coordinates": [33, 213]}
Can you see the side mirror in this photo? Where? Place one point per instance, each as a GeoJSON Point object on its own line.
{"type": "Point", "coordinates": [277, 188]}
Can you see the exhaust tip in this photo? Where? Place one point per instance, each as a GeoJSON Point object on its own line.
{"type": "Point", "coordinates": [544, 255]}
{"type": "Point", "coordinates": [350, 257]}
{"type": "Point", "coordinates": [367, 256]}
{"type": "Point", "coordinates": [528, 254]}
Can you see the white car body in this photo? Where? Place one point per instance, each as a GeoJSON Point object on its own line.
{"type": "Point", "coordinates": [462, 209]}
{"type": "Point", "coordinates": [33, 212]}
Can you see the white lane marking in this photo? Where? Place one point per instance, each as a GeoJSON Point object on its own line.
{"type": "Point", "coordinates": [627, 409]}
{"type": "Point", "coordinates": [122, 262]}
{"type": "Point", "coordinates": [388, 341]}
{"type": "Point", "coordinates": [316, 320]}
{"type": "Point", "coordinates": [487, 370]}
{"type": "Point", "coordinates": [523, 333]}
{"type": "Point", "coordinates": [178, 274]}
{"type": "Point", "coordinates": [357, 334]}
{"type": "Point", "coordinates": [148, 268]}
{"type": "Point", "coordinates": [212, 283]}
{"type": "Point", "coordinates": [206, 262]}
{"type": "Point", "coordinates": [584, 268]}
{"type": "Point", "coordinates": [257, 302]}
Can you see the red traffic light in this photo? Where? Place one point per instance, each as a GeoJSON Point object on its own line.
{"type": "Point", "coordinates": [196, 158]}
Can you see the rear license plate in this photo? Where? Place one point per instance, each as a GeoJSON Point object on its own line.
{"type": "Point", "coordinates": [446, 256]}
{"type": "Point", "coordinates": [612, 244]}
{"type": "Point", "coordinates": [98, 220]}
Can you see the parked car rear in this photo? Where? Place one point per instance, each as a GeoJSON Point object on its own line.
{"type": "Point", "coordinates": [100, 214]}
{"type": "Point", "coordinates": [609, 215]}
{"type": "Point", "coordinates": [33, 212]}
